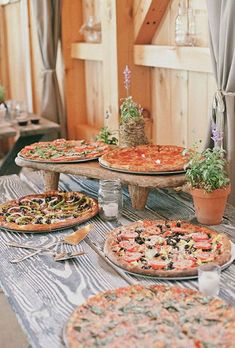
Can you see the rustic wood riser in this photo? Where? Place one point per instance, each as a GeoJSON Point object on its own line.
{"type": "Point", "coordinates": [138, 185]}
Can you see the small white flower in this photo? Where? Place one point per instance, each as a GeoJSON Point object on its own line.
{"type": "Point", "coordinates": [143, 155]}
{"type": "Point", "coordinates": [158, 161]}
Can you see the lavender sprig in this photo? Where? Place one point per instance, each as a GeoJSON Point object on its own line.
{"type": "Point", "coordinates": [217, 135]}
{"type": "Point", "coordinates": [127, 79]}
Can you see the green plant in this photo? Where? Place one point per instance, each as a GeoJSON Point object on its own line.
{"type": "Point", "coordinates": [104, 135]}
{"type": "Point", "coordinates": [130, 110]}
{"type": "Point", "coordinates": [2, 94]}
{"type": "Point", "coordinates": [207, 170]}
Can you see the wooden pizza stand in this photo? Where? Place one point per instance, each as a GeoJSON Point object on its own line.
{"type": "Point", "coordinates": [138, 185]}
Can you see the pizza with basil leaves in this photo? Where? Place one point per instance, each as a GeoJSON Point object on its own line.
{"type": "Point", "coordinates": [166, 248]}
{"type": "Point", "coordinates": [155, 316]}
{"type": "Point", "coordinates": [46, 212]}
{"type": "Point", "coordinates": [61, 150]}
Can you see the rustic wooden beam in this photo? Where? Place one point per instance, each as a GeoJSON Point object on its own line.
{"type": "Point", "coordinates": [151, 21]}
{"type": "Point", "coordinates": [173, 57]}
{"type": "Point", "coordinates": [89, 51]}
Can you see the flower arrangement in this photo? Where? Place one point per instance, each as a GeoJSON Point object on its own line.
{"type": "Point", "coordinates": [2, 94]}
{"type": "Point", "coordinates": [132, 122]}
{"type": "Point", "coordinates": [207, 170]}
{"type": "Point", "coordinates": [106, 137]}
{"type": "Point", "coordinates": [208, 180]}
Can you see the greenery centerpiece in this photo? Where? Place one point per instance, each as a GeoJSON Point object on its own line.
{"type": "Point", "coordinates": [209, 182]}
{"type": "Point", "coordinates": [106, 136]}
{"type": "Point", "coordinates": [131, 130]}
{"type": "Point", "coordinates": [2, 96]}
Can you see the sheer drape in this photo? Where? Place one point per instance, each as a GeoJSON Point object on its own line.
{"type": "Point", "coordinates": [48, 20]}
{"type": "Point", "coordinates": [221, 16]}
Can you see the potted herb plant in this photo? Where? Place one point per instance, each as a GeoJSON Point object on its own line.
{"type": "Point", "coordinates": [106, 136]}
{"type": "Point", "coordinates": [132, 125]}
{"type": "Point", "coordinates": [209, 184]}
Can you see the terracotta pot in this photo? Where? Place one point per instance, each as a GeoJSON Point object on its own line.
{"type": "Point", "coordinates": [210, 206]}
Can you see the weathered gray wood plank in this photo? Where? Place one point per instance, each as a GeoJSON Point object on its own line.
{"type": "Point", "coordinates": [44, 293]}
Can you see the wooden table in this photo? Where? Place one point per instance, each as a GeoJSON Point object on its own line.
{"type": "Point", "coordinates": [25, 135]}
{"type": "Point", "coordinates": [43, 293]}
{"type": "Point", "coordinates": [138, 185]}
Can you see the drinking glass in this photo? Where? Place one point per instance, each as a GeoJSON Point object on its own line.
{"type": "Point", "coordinates": [110, 199]}
{"type": "Point", "coordinates": [209, 279]}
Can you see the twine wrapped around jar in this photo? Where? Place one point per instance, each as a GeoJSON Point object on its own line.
{"type": "Point", "coordinates": [132, 133]}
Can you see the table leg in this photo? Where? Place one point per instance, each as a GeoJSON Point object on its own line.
{"type": "Point", "coordinates": [51, 180]}
{"type": "Point", "coordinates": [138, 196]}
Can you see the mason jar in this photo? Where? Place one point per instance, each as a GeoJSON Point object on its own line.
{"type": "Point", "coordinates": [110, 199]}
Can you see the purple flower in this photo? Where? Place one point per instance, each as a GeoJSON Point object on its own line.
{"type": "Point", "coordinates": [217, 135]}
{"type": "Point", "coordinates": [127, 79]}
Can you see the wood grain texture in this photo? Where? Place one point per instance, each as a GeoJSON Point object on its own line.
{"type": "Point", "coordinates": [92, 169]}
{"type": "Point", "coordinates": [44, 293]}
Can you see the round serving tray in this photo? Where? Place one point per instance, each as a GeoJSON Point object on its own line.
{"type": "Point", "coordinates": [226, 265]}
{"type": "Point", "coordinates": [58, 162]}
{"type": "Point", "coordinates": [173, 172]}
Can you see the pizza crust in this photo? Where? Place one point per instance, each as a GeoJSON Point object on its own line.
{"type": "Point", "coordinates": [118, 260]}
{"type": "Point", "coordinates": [39, 228]}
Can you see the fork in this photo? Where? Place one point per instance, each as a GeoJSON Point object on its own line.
{"type": "Point", "coordinates": [72, 239]}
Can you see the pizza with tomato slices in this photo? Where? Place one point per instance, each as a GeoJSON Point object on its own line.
{"type": "Point", "coordinates": [155, 316]}
{"type": "Point", "coordinates": [47, 212]}
{"type": "Point", "coordinates": [61, 150]}
{"type": "Point", "coordinates": [146, 159]}
{"type": "Point", "coordinates": [166, 248]}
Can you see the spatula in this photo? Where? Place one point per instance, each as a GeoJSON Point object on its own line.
{"type": "Point", "coordinates": [73, 239]}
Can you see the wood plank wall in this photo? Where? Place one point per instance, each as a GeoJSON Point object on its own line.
{"type": "Point", "coordinates": [181, 99]}
{"type": "Point", "coordinates": [178, 100]}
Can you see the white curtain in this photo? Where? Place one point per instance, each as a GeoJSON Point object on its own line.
{"type": "Point", "coordinates": [221, 16]}
{"type": "Point", "coordinates": [48, 20]}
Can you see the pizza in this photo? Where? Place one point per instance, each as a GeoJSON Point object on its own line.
{"type": "Point", "coordinates": [146, 159]}
{"type": "Point", "coordinates": [155, 316]}
{"type": "Point", "coordinates": [166, 248]}
{"type": "Point", "coordinates": [46, 212]}
{"type": "Point", "coordinates": [62, 150]}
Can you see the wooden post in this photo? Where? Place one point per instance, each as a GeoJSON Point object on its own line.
{"type": "Point", "coordinates": [51, 180]}
{"type": "Point", "coordinates": [139, 196]}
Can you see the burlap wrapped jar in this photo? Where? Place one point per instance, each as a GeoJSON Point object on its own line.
{"type": "Point", "coordinates": [132, 133]}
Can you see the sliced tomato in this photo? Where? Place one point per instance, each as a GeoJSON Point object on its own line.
{"type": "Point", "coordinates": [128, 245]}
{"type": "Point", "coordinates": [199, 236]}
{"type": "Point", "coordinates": [167, 233]}
{"type": "Point", "coordinates": [183, 264]}
{"type": "Point", "coordinates": [204, 256]}
{"type": "Point", "coordinates": [158, 264]}
{"type": "Point", "coordinates": [203, 245]}
{"type": "Point", "coordinates": [132, 257]}
{"type": "Point", "coordinates": [179, 230]}
{"type": "Point", "coordinates": [128, 235]}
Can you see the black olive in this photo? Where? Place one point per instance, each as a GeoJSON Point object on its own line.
{"type": "Point", "coordinates": [139, 229]}
{"type": "Point", "coordinates": [168, 225]}
{"type": "Point", "coordinates": [160, 226]}
{"type": "Point", "coordinates": [163, 258]}
{"type": "Point", "coordinates": [139, 240]}
{"type": "Point", "coordinates": [170, 265]}
{"type": "Point", "coordinates": [150, 247]}
{"type": "Point", "coordinates": [178, 224]}
{"type": "Point", "coordinates": [186, 247]}
{"type": "Point", "coordinates": [145, 267]}
{"type": "Point", "coordinates": [156, 255]}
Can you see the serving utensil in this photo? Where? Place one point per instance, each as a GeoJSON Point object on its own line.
{"type": "Point", "coordinates": [72, 239]}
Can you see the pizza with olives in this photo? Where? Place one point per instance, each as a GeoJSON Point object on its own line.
{"type": "Point", "coordinates": [146, 159]}
{"type": "Point", "coordinates": [166, 248]}
{"type": "Point", "coordinates": [46, 212]}
{"type": "Point", "coordinates": [155, 316]}
{"type": "Point", "coordinates": [61, 150]}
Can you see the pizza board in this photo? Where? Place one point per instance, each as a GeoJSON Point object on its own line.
{"type": "Point", "coordinates": [142, 173]}
{"type": "Point", "coordinates": [59, 162]}
{"type": "Point", "coordinates": [226, 265]}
